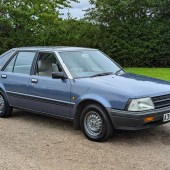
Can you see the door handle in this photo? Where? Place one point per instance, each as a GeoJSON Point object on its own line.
{"type": "Point", "coordinates": [4, 76]}
{"type": "Point", "coordinates": [34, 80]}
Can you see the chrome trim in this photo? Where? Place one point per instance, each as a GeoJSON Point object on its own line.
{"type": "Point", "coordinates": [4, 76]}
{"type": "Point", "coordinates": [64, 66]}
{"type": "Point", "coordinates": [34, 80]}
{"type": "Point", "coordinates": [28, 95]}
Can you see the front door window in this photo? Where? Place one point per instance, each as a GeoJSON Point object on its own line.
{"type": "Point", "coordinates": [47, 64]}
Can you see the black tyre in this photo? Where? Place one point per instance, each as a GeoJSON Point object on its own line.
{"type": "Point", "coordinates": [95, 123]}
{"type": "Point", "coordinates": [5, 109]}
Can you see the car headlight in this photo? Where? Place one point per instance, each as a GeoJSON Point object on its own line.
{"type": "Point", "coordinates": [141, 104]}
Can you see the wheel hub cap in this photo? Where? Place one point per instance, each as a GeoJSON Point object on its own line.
{"type": "Point", "coordinates": [93, 123]}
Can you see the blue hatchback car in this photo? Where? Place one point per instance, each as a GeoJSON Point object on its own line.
{"type": "Point", "coordinates": [82, 85]}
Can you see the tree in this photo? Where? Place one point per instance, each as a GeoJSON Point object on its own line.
{"type": "Point", "coordinates": [135, 32]}
{"type": "Point", "coordinates": [29, 21]}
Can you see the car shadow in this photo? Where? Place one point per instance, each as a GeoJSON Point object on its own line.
{"type": "Point", "coordinates": [160, 134]}
{"type": "Point", "coordinates": [41, 120]}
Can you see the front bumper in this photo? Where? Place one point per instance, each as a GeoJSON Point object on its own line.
{"type": "Point", "coordinates": [126, 120]}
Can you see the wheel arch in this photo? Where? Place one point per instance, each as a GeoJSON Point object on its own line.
{"type": "Point", "coordinates": [81, 105]}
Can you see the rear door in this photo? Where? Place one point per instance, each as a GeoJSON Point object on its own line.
{"type": "Point", "coordinates": [48, 95]}
{"type": "Point", "coordinates": [15, 77]}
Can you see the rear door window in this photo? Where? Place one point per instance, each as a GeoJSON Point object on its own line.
{"type": "Point", "coordinates": [21, 63]}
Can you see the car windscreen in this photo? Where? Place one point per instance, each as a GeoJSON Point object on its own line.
{"type": "Point", "coordinates": [88, 63]}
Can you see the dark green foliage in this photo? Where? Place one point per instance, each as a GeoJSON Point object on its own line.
{"type": "Point", "coordinates": [28, 23]}
{"type": "Point", "coordinates": [132, 32]}
{"type": "Point", "coordinates": [137, 31]}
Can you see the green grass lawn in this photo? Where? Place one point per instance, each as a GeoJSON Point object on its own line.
{"type": "Point", "coordinates": [160, 73]}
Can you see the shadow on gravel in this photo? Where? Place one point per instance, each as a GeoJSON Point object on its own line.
{"type": "Point", "coordinates": [42, 120]}
{"type": "Point", "coordinates": [160, 134]}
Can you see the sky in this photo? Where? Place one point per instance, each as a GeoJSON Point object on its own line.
{"type": "Point", "coordinates": [77, 9]}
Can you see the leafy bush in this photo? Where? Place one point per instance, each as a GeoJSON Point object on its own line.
{"type": "Point", "coordinates": [133, 33]}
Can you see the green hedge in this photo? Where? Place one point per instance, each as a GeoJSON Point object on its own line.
{"type": "Point", "coordinates": [131, 41]}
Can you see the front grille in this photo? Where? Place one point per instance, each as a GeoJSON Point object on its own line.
{"type": "Point", "coordinates": [161, 101]}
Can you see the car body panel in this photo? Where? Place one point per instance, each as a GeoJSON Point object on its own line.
{"type": "Point", "coordinates": [87, 89]}
{"type": "Point", "coordinates": [114, 91]}
{"type": "Point", "coordinates": [15, 85]}
{"type": "Point", "coordinates": [50, 95]}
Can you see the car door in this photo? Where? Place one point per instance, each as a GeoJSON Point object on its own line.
{"type": "Point", "coordinates": [48, 95]}
{"type": "Point", "coordinates": [15, 76]}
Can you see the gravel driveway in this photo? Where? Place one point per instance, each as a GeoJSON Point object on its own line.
{"type": "Point", "coordinates": [30, 141]}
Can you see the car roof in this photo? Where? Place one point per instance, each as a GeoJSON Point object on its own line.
{"type": "Point", "coordinates": [54, 48]}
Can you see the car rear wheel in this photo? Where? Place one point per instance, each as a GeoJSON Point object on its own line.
{"type": "Point", "coordinates": [5, 109]}
{"type": "Point", "coordinates": [95, 123]}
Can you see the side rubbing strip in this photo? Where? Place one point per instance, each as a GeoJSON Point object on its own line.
{"type": "Point", "coordinates": [41, 99]}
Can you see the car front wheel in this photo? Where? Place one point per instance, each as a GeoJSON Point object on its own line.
{"type": "Point", "coordinates": [95, 123]}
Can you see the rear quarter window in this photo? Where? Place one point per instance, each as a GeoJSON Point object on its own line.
{"type": "Point", "coordinates": [4, 57]}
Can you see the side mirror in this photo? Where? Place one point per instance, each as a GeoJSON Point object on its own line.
{"type": "Point", "coordinates": [58, 75]}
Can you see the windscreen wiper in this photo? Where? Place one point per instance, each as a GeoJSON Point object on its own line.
{"type": "Point", "coordinates": [117, 72]}
{"type": "Point", "coordinates": [102, 74]}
